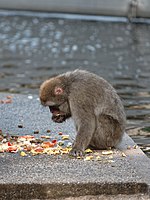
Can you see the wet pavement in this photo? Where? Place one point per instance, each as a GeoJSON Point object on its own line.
{"type": "Point", "coordinates": [34, 48]}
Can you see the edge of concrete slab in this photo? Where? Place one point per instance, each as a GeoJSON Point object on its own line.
{"type": "Point", "coordinates": [54, 190]}
{"type": "Point", "coordinates": [34, 188]}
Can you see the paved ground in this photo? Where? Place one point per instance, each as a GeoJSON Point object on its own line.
{"type": "Point", "coordinates": [45, 176]}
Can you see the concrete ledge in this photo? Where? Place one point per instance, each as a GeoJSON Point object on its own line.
{"type": "Point", "coordinates": [96, 7]}
{"type": "Point", "coordinates": [47, 177]}
{"type": "Point", "coordinates": [103, 7]}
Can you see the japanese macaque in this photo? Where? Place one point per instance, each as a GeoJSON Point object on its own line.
{"type": "Point", "coordinates": [92, 103]}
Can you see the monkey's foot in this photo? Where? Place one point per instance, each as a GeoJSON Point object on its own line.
{"type": "Point", "coordinates": [76, 152]}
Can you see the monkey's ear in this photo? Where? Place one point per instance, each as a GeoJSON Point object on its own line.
{"type": "Point", "coordinates": [58, 90]}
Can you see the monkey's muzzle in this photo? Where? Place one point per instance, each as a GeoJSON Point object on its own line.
{"type": "Point", "coordinates": [57, 115]}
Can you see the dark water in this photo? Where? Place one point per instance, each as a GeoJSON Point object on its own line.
{"type": "Point", "coordinates": [35, 48]}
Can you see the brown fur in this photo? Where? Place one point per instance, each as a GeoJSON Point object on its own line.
{"type": "Point", "coordinates": [93, 104]}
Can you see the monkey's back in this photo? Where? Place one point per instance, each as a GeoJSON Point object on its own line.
{"type": "Point", "coordinates": [96, 93]}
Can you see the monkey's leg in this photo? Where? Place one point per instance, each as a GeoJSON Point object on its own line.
{"type": "Point", "coordinates": [107, 134]}
{"type": "Point", "coordinates": [85, 131]}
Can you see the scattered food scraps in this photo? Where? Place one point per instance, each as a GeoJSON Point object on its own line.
{"type": "Point", "coordinates": [109, 161]}
{"type": "Point", "coordinates": [32, 145]}
{"type": "Point", "coordinates": [9, 97]}
{"type": "Point", "coordinates": [65, 137]}
{"type": "Point", "coordinates": [54, 141]}
{"type": "Point", "coordinates": [45, 136]}
{"type": "Point", "coordinates": [7, 100]}
{"type": "Point", "coordinates": [61, 143]}
{"type": "Point", "coordinates": [123, 154]}
{"type": "Point", "coordinates": [27, 137]}
{"type": "Point", "coordinates": [88, 151]}
{"type": "Point", "coordinates": [20, 126]}
{"type": "Point", "coordinates": [36, 132]}
{"type": "Point", "coordinates": [107, 152]}
{"type": "Point", "coordinates": [98, 158]}
{"type": "Point", "coordinates": [88, 158]}
{"type": "Point", "coordinates": [22, 153]}
{"type": "Point", "coordinates": [12, 149]}
{"type": "Point", "coordinates": [47, 144]}
{"type": "Point", "coordinates": [135, 147]}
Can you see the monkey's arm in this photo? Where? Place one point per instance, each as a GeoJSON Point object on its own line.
{"type": "Point", "coordinates": [85, 125]}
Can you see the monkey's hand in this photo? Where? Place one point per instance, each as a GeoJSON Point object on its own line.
{"type": "Point", "coordinates": [76, 152]}
{"type": "Point", "coordinates": [58, 118]}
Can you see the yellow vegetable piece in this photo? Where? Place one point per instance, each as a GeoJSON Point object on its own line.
{"type": "Point", "coordinates": [98, 158]}
{"type": "Point", "coordinates": [111, 161]}
{"type": "Point", "coordinates": [65, 151]}
{"type": "Point", "coordinates": [123, 155]}
{"type": "Point", "coordinates": [45, 136]}
{"type": "Point", "coordinates": [135, 147]}
{"type": "Point", "coordinates": [107, 152]}
{"type": "Point", "coordinates": [22, 153]}
{"type": "Point", "coordinates": [65, 137]}
{"type": "Point", "coordinates": [88, 158]}
{"type": "Point", "coordinates": [88, 151]}
{"type": "Point", "coordinates": [110, 157]}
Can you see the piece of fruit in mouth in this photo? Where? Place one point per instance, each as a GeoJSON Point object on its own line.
{"type": "Point", "coordinates": [57, 115]}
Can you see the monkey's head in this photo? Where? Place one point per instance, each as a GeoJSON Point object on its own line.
{"type": "Point", "coordinates": [53, 93]}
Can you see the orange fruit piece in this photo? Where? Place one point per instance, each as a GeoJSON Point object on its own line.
{"type": "Point", "coordinates": [48, 144]}
{"type": "Point", "coordinates": [38, 150]}
{"type": "Point", "coordinates": [12, 149]}
{"type": "Point", "coordinates": [27, 137]}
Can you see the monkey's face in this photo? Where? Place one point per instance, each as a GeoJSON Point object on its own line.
{"type": "Point", "coordinates": [57, 115]}
{"type": "Point", "coordinates": [54, 96]}
{"type": "Point", "coordinates": [52, 93]}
